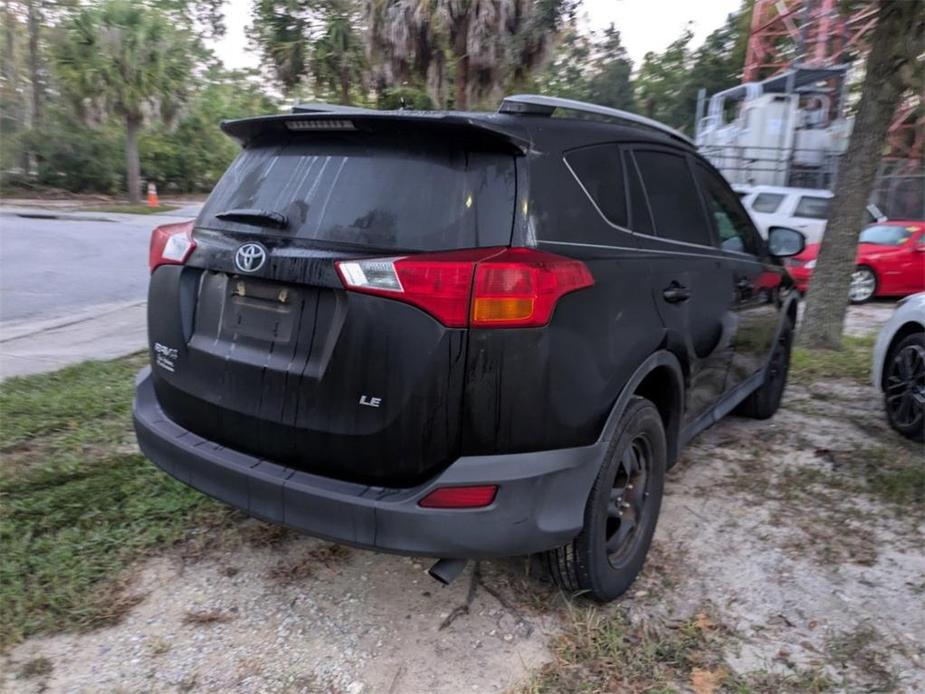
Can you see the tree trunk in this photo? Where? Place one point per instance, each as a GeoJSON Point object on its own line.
{"type": "Point", "coordinates": [132, 163]}
{"type": "Point", "coordinates": [897, 41]}
{"type": "Point", "coordinates": [35, 64]}
{"type": "Point", "coordinates": [345, 87]}
{"type": "Point", "coordinates": [10, 71]}
{"type": "Point", "coordinates": [461, 54]}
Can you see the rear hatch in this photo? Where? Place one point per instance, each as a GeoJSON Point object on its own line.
{"type": "Point", "coordinates": [257, 346]}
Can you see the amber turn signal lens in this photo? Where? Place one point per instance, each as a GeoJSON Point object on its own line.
{"type": "Point", "coordinates": [494, 309]}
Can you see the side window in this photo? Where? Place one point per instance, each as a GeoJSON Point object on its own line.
{"type": "Point", "coordinates": [600, 171]}
{"type": "Point", "coordinates": [767, 202]}
{"type": "Point", "coordinates": [640, 217]}
{"type": "Point", "coordinates": [812, 207]}
{"type": "Point", "coordinates": [673, 199]}
{"type": "Point", "coordinates": [734, 229]}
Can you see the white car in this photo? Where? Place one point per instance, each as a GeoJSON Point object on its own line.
{"type": "Point", "coordinates": [803, 209]}
{"type": "Point", "coordinates": [899, 367]}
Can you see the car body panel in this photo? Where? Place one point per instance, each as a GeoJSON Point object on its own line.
{"type": "Point", "coordinates": [900, 270]}
{"type": "Point", "coordinates": [909, 312]}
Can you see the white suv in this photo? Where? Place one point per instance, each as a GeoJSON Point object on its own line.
{"type": "Point", "coordinates": [804, 209]}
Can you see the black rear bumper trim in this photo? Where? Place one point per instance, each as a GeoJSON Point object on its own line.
{"type": "Point", "coordinates": [540, 504]}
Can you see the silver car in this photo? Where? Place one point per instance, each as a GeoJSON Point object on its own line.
{"type": "Point", "coordinates": [899, 367]}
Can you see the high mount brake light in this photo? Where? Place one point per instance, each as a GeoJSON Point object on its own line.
{"type": "Point", "coordinates": [171, 244]}
{"type": "Point", "coordinates": [479, 288]}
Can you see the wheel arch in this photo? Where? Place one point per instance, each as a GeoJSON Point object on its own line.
{"type": "Point", "coordinates": [908, 328]}
{"type": "Point", "coordinates": [659, 379]}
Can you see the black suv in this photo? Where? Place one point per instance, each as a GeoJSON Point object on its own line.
{"type": "Point", "coordinates": [461, 335]}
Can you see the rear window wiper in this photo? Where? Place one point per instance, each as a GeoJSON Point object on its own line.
{"type": "Point", "coordinates": [262, 218]}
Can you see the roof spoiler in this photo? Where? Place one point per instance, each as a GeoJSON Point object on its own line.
{"type": "Point", "coordinates": [328, 118]}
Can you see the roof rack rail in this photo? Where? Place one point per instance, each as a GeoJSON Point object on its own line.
{"type": "Point", "coordinates": [321, 107]}
{"type": "Point", "coordinates": [538, 105]}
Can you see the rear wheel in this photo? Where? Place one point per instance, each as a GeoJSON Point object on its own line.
{"type": "Point", "coordinates": [863, 285]}
{"type": "Point", "coordinates": [904, 387]}
{"type": "Point", "coordinates": [765, 401]}
{"type": "Point", "coordinates": [621, 512]}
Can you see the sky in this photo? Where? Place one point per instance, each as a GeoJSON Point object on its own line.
{"type": "Point", "coordinates": [645, 25]}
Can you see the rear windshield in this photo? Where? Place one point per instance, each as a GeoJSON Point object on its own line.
{"type": "Point", "coordinates": [425, 195]}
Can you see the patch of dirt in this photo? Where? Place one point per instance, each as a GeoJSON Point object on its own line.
{"type": "Point", "coordinates": [773, 535]}
{"type": "Point", "coordinates": [359, 622]}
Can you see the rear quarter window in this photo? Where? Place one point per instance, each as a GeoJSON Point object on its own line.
{"type": "Point", "coordinates": [599, 170]}
{"type": "Point", "coordinates": [812, 207]}
{"type": "Point", "coordinates": [382, 194]}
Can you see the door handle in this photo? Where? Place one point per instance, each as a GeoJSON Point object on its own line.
{"type": "Point", "coordinates": [675, 293]}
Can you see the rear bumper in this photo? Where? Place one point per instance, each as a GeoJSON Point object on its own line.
{"type": "Point", "coordinates": [540, 502]}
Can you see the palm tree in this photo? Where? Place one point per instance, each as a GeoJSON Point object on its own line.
{"type": "Point", "coordinates": [483, 44]}
{"type": "Point", "coordinates": [128, 60]}
{"type": "Point", "coordinates": [338, 62]}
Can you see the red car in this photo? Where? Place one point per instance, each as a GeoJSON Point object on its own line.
{"type": "Point", "coordinates": [890, 262]}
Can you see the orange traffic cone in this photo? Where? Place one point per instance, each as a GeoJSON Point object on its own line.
{"type": "Point", "coordinates": [152, 196]}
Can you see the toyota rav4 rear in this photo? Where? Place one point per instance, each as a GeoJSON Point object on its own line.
{"type": "Point", "coordinates": [402, 331]}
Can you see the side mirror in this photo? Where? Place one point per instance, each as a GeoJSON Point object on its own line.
{"type": "Point", "coordinates": [784, 242]}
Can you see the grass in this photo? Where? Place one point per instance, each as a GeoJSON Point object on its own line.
{"type": "Point", "coordinates": [140, 208]}
{"type": "Point", "coordinates": [853, 361]}
{"type": "Point", "coordinates": [602, 651]}
{"type": "Point", "coordinates": [78, 502]}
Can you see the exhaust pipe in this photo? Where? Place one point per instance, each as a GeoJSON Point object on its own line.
{"type": "Point", "coordinates": [446, 570]}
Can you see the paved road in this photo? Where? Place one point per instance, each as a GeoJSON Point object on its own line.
{"type": "Point", "coordinates": [54, 267]}
{"type": "Point", "coordinates": [73, 288]}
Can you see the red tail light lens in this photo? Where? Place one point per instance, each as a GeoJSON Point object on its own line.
{"type": "Point", "coordinates": [482, 288]}
{"type": "Point", "coordinates": [460, 497]}
{"type": "Point", "coordinates": [171, 244]}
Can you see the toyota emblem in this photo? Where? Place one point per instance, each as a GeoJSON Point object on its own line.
{"type": "Point", "coordinates": [250, 257]}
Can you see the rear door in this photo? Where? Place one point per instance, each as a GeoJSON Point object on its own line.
{"type": "Point", "coordinates": [690, 284]}
{"type": "Point", "coordinates": [756, 279]}
{"type": "Point", "coordinates": [271, 356]}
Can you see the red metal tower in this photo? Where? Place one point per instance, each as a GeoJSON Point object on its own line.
{"type": "Point", "coordinates": [815, 34]}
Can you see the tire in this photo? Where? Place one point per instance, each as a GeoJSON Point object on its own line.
{"type": "Point", "coordinates": [904, 387]}
{"type": "Point", "coordinates": [764, 402]}
{"type": "Point", "coordinates": [630, 483]}
{"type": "Point", "coordinates": [863, 285]}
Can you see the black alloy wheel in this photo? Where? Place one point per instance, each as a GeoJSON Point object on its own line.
{"type": "Point", "coordinates": [904, 388]}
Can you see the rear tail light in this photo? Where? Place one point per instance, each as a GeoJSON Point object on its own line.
{"type": "Point", "coordinates": [460, 497]}
{"type": "Point", "coordinates": [171, 244]}
{"type": "Point", "coordinates": [482, 288]}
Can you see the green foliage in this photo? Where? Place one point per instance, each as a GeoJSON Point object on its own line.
{"type": "Point", "coordinates": [79, 504]}
{"type": "Point", "coordinates": [610, 83]}
{"type": "Point", "coordinates": [120, 57]}
{"type": "Point", "coordinates": [591, 67]}
{"type": "Point", "coordinates": [404, 97]}
{"type": "Point", "coordinates": [662, 77]}
{"type": "Point", "coordinates": [281, 30]}
{"type": "Point", "coordinates": [668, 82]}
{"type": "Point", "coordinates": [339, 62]}
{"type": "Point", "coordinates": [74, 156]}
{"type": "Point", "coordinates": [192, 156]}
{"type": "Point", "coordinates": [124, 59]}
